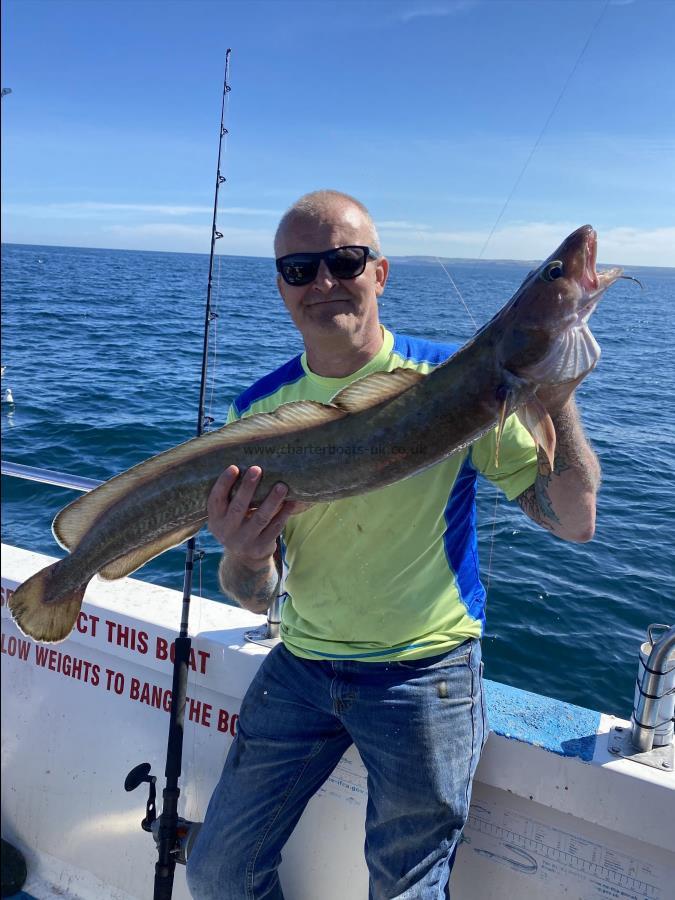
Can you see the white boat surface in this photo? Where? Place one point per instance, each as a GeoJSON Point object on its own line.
{"type": "Point", "coordinates": [557, 812]}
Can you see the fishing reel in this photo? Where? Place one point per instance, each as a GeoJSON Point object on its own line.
{"type": "Point", "coordinates": [186, 831]}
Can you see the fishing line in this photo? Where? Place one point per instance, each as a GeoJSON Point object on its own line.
{"type": "Point", "coordinates": [544, 128]}
{"type": "Point", "coordinates": [500, 216]}
{"type": "Point", "coordinates": [492, 543]}
{"type": "Point", "coordinates": [214, 352]}
{"type": "Point", "coordinates": [452, 281]}
{"type": "Point", "coordinates": [459, 293]}
{"type": "Point", "coordinates": [193, 810]}
{"type": "Point", "coordinates": [166, 827]}
{"type": "Point", "coordinates": [529, 158]}
{"type": "Point", "coordinates": [212, 365]}
{"type": "Point", "coordinates": [214, 345]}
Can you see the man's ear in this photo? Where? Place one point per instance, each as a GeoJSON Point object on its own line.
{"type": "Point", "coordinates": [381, 275]}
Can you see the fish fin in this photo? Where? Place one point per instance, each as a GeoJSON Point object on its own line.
{"type": "Point", "coordinates": [299, 415]}
{"type": "Point", "coordinates": [42, 620]}
{"type": "Point", "coordinates": [125, 565]}
{"type": "Point", "coordinates": [500, 427]}
{"type": "Point", "coordinates": [375, 389]}
{"type": "Point", "coordinates": [73, 522]}
{"type": "Point", "coordinates": [539, 424]}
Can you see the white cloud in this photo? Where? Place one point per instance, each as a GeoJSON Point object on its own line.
{"type": "Point", "coordinates": [157, 229]}
{"type": "Point", "coordinates": [399, 225]}
{"type": "Point", "coordinates": [109, 225]}
{"type": "Point", "coordinates": [635, 246]}
{"type": "Point", "coordinates": [153, 209]}
{"type": "Point", "coordinates": [97, 210]}
{"type": "Point", "coordinates": [187, 238]}
{"type": "Point", "coordinates": [624, 245]}
{"type": "Point", "coordinates": [247, 211]}
{"type": "Point", "coordinates": [434, 10]}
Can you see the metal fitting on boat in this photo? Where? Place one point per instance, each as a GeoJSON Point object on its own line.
{"type": "Point", "coordinates": [186, 834]}
{"type": "Point", "coordinates": [654, 704]}
{"type": "Point", "coordinates": [274, 619]}
{"type": "Point", "coordinates": [268, 635]}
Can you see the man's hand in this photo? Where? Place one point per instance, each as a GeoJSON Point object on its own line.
{"type": "Point", "coordinates": [244, 532]}
{"type": "Point", "coordinates": [249, 535]}
{"type": "Point", "coordinates": [563, 499]}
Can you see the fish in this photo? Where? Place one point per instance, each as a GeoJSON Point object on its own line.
{"type": "Point", "coordinates": [380, 429]}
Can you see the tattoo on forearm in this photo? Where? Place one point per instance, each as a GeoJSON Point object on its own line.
{"type": "Point", "coordinates": [536, 505]}
{"type": "Point", "coordinates": [535, 501]}
{"type": "Point", "coordinates": [572, 452]}
{"type": "Point", "coordinates": [254, 589]}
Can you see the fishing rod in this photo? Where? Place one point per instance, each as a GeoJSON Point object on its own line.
{"type": "Point", "coordinates": [174, 835]}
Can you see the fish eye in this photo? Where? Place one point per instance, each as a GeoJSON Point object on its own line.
{"type": "Point", "coordinates": [552, 271]}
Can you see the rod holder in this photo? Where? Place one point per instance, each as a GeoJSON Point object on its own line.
{"type": "Point", "coordinates": [268, 634]}
{"type": "Point", "coordinates": [652, 719]}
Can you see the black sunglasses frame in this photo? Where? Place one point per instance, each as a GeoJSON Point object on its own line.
{"type": "Point", "coordinates": [313, 260]}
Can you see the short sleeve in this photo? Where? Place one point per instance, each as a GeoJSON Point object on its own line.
{"type": "Point", "coordinates": [517, 469]}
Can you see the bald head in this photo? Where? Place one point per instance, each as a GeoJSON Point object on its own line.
{"type": "Point", "coordinates": [324, 208]}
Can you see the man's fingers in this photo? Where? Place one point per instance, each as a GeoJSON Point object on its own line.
{"type": "Point", "coordinates": [276, 525]}
{"type": "Point", "coordinates": [240, 503]}
{"type": "Point", "coordinates": [220, 491]}
{"type": "Point", "coordinates": [235, 524]}
{"type": "Point", "coordinates": [269, 507]}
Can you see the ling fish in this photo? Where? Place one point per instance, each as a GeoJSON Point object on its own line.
{"type": "Point", "coordinates": [539, 338]}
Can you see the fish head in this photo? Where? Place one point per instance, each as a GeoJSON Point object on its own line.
{"type": "Point", "coordinates": [545, 338]}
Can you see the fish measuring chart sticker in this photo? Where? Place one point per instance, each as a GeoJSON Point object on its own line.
{"type": "Point", "coordinates": [546, 855]}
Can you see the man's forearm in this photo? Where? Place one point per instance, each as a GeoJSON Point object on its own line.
{"type": "Point", "coordinates": [563, 499]}
{"type": "Point", "coordinates": [253, 584]}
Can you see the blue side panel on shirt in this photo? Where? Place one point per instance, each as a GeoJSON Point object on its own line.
{"type": "Point", "coordinates": [289, 373]}
{"type": "Point", "coordinates": [461, 543]}
{"type": "Point", "coordinates": [420, 350]}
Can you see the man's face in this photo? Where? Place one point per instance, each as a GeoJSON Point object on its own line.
{"type": "Point", "coordinates": [327, 307]}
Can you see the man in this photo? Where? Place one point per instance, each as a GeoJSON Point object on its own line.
{"type": "Point", "coordinates": [384, 606]}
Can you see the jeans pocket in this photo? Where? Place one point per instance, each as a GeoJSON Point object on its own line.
{"type": "Point", "coordinates": [458, 656]}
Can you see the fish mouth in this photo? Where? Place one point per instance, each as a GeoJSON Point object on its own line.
{"type": "Point", "coordinates": [572, 350]}
{"type": "Point", "coordinates": [593, 283]}
{"type": "Point", "coordinates": [589, 276]}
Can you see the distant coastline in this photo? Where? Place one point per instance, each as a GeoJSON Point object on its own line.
{"type": "Point", "coordinates": [399, 260]}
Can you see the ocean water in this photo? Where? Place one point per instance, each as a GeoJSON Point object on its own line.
{"type": "Point", "coordinates": [102, 351]}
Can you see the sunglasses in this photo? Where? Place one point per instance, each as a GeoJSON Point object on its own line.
{"type": "Point", "coordinates": [343, 262]}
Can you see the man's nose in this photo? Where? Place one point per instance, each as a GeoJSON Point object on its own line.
{"type": "Point", "coordinates": [324, 281]}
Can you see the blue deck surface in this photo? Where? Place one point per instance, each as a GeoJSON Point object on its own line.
{"type": "Point", "coordinates": [542, 721]}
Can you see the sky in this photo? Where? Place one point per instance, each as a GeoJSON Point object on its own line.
{"type": "Point", "coordinates": [470, 128]}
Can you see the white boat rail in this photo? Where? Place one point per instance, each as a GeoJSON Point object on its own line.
{"type": "Point", "coordinates": [267, 634]}
{"type": "Point", "coordinates": [49, 476]}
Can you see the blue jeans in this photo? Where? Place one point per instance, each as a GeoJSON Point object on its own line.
{"type": "Point", "coordinates": [419, 727]}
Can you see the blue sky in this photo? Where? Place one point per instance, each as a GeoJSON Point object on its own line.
{"type": "Point", "coordinates": [427, 110]}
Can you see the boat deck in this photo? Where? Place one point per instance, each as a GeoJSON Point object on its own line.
{"type": "Point", "coordinates": [555, 813]}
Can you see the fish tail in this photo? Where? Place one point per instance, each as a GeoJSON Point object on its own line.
{"type": "Point", "coordinates": [40, 618]}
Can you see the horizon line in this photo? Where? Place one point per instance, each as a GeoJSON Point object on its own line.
{"type": "Point", "coordinates": [401, 258]}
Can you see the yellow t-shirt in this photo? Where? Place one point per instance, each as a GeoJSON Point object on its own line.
{"type": "Point", "coordinates": [392, 574]}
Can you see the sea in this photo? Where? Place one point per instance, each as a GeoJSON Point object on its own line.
{"type": "Point", "coordinates": [102, 355]}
